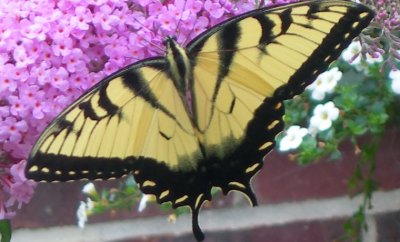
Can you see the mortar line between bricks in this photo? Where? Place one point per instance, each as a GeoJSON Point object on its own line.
{"type": "Point", "coordinates": [234, 218]}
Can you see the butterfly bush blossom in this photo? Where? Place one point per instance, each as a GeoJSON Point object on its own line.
{"type": "Point", "coordinates": [52, 51]}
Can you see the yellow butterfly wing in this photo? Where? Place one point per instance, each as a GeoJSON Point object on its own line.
{"type": "Point", "coordinates": [135, 114]}
{"type": "Point", "coordinates": [249, 65]}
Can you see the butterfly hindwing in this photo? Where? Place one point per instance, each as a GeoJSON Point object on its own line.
{"type": "Point", "coordinates": [179, 143]}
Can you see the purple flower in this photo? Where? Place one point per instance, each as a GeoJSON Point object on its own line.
{"type": "Point", "coordinates": [34, 30]}
{"type": "Point", "coordinates": [19, 188]}
{"type": "Point", "coordinates": [74, 61]}
{"type": "Point", "coordinates": [97, 2]}
{"type": "Point", "coordinates": [195, 6]}
{"type": "Point", "coordinates": [59, 78]}
{"type": "Point", "coordinates": [144, 3]}
{"type": "Point", "coordinates": [41, 72]}
{"type": "Point", "coordinates": [155, 8]}
{"type": "Point", "coordinates": [30, 93]}
{"type": "Point", "coordinates": [4, 111]}
{"type": "Point", "coordinates": [386, 24]}
{"type": "Point", "coordinates": [20, 192]}
{"type": "Point", "coordinates": [167, 21]}
{"type": "Point", "coordinates": [105, 18]}
{"type": "Point", "coordinates": [40, 109]}
{"type": "Point", "coordinates": [21, 57]}
{"type": "Point", "coordinates": [214, 8]}
{"type": "Point", "coordinates": [200, 25]}
{"type": "Point", "coordinates": [7, 84]}
{"type": "Point", "coordinates": [17, 107]}
{"type": "Point", "coordinates": [60, 30]}
{"type": "Point", "coordinates": [81, 19]}
{"type": "Point", "coordinates": [116, 48]}
{"type": "Point", "coordinates": [79, 80]}
{"type": "Point", "coordinates": [140, 39]}
{"type": "Point", "coordinates": [62, 47]}
{"type": "Point", "coordinates": [12, 130]}
{"type": "Point", "coordinates": [112, 65]}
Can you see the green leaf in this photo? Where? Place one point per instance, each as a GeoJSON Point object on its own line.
{"type": "Point", "coordinates": [358, 126]}
{"type": "Point", "coordinates": [5, 230]}
{"type": "Point", "coordinates": [335, 155]}
{"type": "Point", "coordinates": [298, 110]}
{"type": "Point", "coordinates": [327, 135]}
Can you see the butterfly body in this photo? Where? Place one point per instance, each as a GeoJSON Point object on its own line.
{"type": "Point", "coordinates": [201, 116]}
{"type": "Point", "coordinates": [180, 69]}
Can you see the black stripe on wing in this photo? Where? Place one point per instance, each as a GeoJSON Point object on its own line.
{"type": "Point", "coordinates": [329, 50]}
{"type": "Point", "coordinates": [66, 168]}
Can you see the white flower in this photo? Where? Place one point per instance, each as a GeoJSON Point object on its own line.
{"type": "Point", "coordinates": [89, 189]}
{"type": "Point", "coordinates": [331, 78]}
{"type": "Point", "coordinates": [325, 83]}
{"type": "Point", "coordinates": [89, 205]}
{"type": "Point", "coordinates": [312, 130]}
{"type": "Point", "coordinates": [323, 116]}
{"type": "Point", "coordinates": [293, 138]}
{"type": "Point", "coordinates": [394, 74]}
{"type": "Point", "coordinates": [81, 214]}
{"type": "Point", "coordinates": [352, 55]}
{"type": "Point", "coordinates": [395, 85]}
{"type": "Point", "coordinates": [143, 202]}
{"type": "Point", "coordinates": [372, 60]}
{"type": "Point", "coordinates": [317, 89]}
{"type": "Point", "coordinates": [369, 60]}
{"type": "Point", "coordinates": [354, 49]}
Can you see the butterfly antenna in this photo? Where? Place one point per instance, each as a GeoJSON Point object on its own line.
{"type": "Point", "coordinates": [153, 30]}
{"type": "Point", "coordinates": [177, 32]}
{"type": "Point", "coordinates": [190, 32]}
{"type": "Point", "coordinates": [260, 4]}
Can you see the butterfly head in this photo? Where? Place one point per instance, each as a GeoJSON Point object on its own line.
{"type": "Point", "coordinates": [179, 63]}
{"type": "Point", "coordinates": [172, 47]}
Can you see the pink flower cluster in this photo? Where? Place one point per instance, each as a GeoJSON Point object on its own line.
{"type": "Point", "coordinates": [387, 24]}
{"type": "Point", "coordinates": [52, 51]}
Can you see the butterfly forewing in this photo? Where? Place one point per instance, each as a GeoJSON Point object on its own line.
{"type": "Point", "coordinates": [135, 114]}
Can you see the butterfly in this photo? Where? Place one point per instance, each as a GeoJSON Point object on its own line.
{"type": "Point", "coordinates": [204, 115]}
